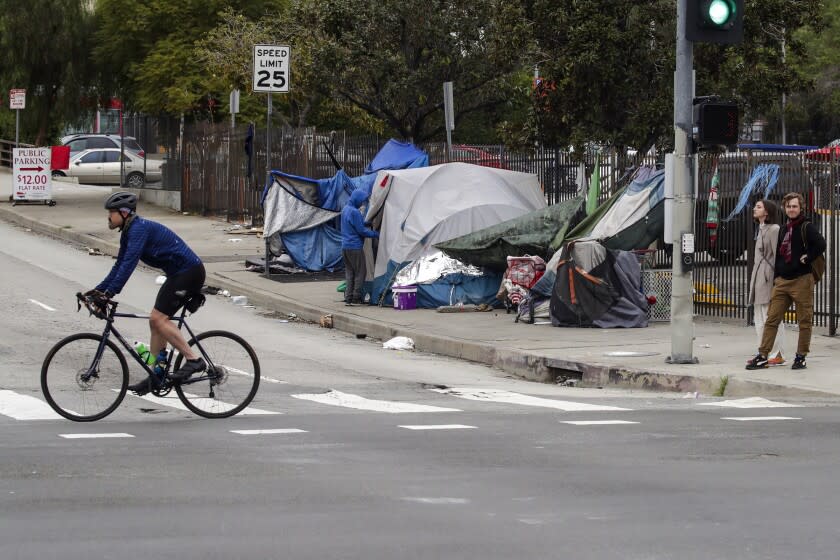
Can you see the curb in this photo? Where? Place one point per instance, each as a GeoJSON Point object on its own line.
{"type": "Point", "coordinates": [513, 361]}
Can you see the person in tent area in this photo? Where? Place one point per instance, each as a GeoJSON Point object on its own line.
{"type": "Point", "coordinates": [799, 244]}
{"type": "Point", "coordinates": [765, 213]}
{"type": "Point", "coordinates": [353, 233]}
{"type": "Point", "coordinates": [159, 247]}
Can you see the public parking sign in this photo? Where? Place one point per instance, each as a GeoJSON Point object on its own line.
{"type": "Point", "coordinates": [17, 99]}
{"type": "Point", "coordinates": [271, 68]}
{"type": "Point", "coordinates": [32, 177]}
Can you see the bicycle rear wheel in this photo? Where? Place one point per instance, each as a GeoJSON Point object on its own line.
{"type": "Point", "coordinates": [231, 379]}
{"type": "Point", "coordinates": [75, 388]}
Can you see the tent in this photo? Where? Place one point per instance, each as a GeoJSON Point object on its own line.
{"type": "Point", "coordinates": [633, 218]}
{"type": "Point", "coordinates": [532, 234]}
{"type": "Point", "coordinates": [305, 212]}
{"type": "Point", "coordinates": [414, 209]}
{"type": "Point", "coordinates": [598, 287]}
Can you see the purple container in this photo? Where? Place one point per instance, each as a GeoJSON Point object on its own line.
{"type": "Point", "coordinates": [405, 297]}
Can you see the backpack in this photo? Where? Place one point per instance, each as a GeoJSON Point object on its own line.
{"type": "Point", "coordinates": [818, 264]}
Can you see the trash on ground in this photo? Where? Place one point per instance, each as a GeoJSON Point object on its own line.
{"type": "Point", "coordinates": [225, 293]}
{"type": "Point", "coordinates": [160, 279]}
{"type": "Point", "coordinates": [399, 343]}
{"type": "Point", "coordinates": [361, 335]}
{"type": "Point", "coordinates": [326, 321]}
{"type": "Point", "coordinates": [239, 300]}
{"type": "Point", "coordinates": [212, 290]}
{"type": "Point", "coordinates": [292, 316]}
{"type": "Point", "coordinates": [94, 251]}
{"type": "Point", "coordinates": [461, 308]}
{"type": "Point", "coordinates": [692, 395]}
{"type": "Point", "coordinates": [235, 239]}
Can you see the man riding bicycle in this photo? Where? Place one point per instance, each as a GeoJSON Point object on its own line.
{"type": "Point", "coordinates": [159, 247]}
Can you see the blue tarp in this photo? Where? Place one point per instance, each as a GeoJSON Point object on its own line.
{"type": "Point", "coordinates": [397, 155]}
{"type": "Point", "coordinates": [450, 289]}
{"type": "Point", "coordinates": [319, 247]}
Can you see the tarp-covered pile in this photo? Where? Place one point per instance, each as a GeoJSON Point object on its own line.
{"type": "Point", "coordinates": [416, 209]}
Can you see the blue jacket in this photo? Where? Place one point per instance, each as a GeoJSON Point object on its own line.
{"type": "Point", "coordinates": [154, 244]}
{"type": "Point", "coordinates": [353, 230]}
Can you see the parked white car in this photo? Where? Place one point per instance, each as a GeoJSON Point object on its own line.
{"type": "Point", "coordinates": [101, 166]}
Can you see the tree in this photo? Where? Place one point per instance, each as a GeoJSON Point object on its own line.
{"type": "Point", "coordinates": [390, 58]}
{"type": "Point", "coordinates": [612, 66]}
{"type": "Point", "coordinates": [147, 52]}
{"type": "Point", "coordinates": [48, 58]}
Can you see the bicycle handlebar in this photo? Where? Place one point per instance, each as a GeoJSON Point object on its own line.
{"type": "Point", "coordinates": [96, 306]}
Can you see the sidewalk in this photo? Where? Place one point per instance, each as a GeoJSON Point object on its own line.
{"type": "Point", "coordinates": [536, 352]}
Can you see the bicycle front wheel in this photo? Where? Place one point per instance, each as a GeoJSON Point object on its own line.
{"type": "Point", "coordinates": [231, 379]}
{"type": "Point", "coordinates": [79, 387]}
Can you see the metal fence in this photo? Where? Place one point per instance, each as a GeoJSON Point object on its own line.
{"type": "Point", "coordinates": [209, 164]}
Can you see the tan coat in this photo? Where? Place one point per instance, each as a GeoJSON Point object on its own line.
{"type": "Point", "coordinates": [761, 281]}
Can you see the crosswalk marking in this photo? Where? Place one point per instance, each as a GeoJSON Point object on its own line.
{"type": "Point", "coordinates": [439, 427]}
{"type": "Point", "coordinates": [337, 398]}
{"type": "Point", "coordinates": [24, 407]}
{"type": "Point", "coordinates": [44, 305]}
{"type": "Point", "coordinates": [495, 395]}
{"type": "Point", "coordinates": [751, 402]}
{"type": "Point", "coordinates": [94, 436]}
{"type": "Point", "coordinates": [596, 422]}
{"type": "Point", "coordinates": [758, 418]}
{"type": "Point", "coordinates": [205, 403]}
{"type": "Point", "coordinates": [270, 431]}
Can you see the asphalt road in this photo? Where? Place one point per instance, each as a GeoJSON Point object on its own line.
{"type": "Point", "coordinates": [343, 462]}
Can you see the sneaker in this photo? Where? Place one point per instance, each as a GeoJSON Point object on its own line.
{"type": "Point", "coordinates": [759, 362]}
{"type": "Point", "coordinates": [145, 386]}
{"type": "Point", "coordinates": [799, 362]}
{"type": "Point", "coordinates": [776, 361]}
{"type": "Point", "coordinates": [187, 370]}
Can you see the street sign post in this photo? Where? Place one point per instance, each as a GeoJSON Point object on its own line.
{"type": "Point", "coordinates": [17, 101]}
{"type": "Point", "coordinates": [271, 74]}
{"type": "Point", "coordinates": [31, 174]}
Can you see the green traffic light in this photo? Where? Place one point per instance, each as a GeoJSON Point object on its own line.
{"type": "Point", "coordinates": [720, 12]}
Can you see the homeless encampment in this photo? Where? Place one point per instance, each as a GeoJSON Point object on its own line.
{"type": "Point", "coordinates": [304, 211]}
{"type": "Point", "coordinates": [414, 209]}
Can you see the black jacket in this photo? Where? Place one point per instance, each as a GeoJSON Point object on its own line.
{"type": "Point", "coordinates": [816, 247]}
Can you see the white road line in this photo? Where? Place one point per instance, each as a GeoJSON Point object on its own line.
{"type": "Point", "coordinates": [337, 398]}
{"type": "Point", "coordinates": [596, 422]}
{"type": "Point", "coordinates": [759, 418]}
{"type": "Point", "coordinates": [495, 395]}
{"type": "Point", "coordinates": [272, 431]}
{"type": "Point", "coordinates": [173, 401]}
{"type": "Point", "coordinates": [24, 407]}
{"type": "Point", "coordinates": [45, 306]}
{"type": "Point", "coordinates": [246, 374]}
{"type": "Point", "coordinates": [439, 427]}
{"type": "Point", "coordinates": [751, 402]}
{"type": "Point", "coordinates": [93, 436]}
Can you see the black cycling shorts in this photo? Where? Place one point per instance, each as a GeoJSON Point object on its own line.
{"type": "Point", "coordinates": [190, 281]}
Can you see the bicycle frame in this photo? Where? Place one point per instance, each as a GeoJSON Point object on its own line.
{"type": "Point", "coordinates": [111, 328]}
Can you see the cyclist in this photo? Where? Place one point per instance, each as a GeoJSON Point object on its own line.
{"type": "Point", "coordinates": [159, 247]}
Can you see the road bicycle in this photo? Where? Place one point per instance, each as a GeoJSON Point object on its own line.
{"type": "Point", "coordinates": [85, 376]}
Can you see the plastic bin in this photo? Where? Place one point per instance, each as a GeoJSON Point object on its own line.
{"type": "Point", "coordinates": [405, 297]}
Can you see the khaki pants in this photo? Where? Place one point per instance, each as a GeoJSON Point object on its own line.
{"type": "Point", "coordinates": [799, 291]}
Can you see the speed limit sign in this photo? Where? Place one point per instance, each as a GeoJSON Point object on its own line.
{"type": "Point", "coordinates": [271, 68]}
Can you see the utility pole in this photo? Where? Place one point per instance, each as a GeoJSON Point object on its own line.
{"type": "Point", "coordinates": [682, 301]}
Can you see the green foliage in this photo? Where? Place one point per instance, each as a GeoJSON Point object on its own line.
{"type": "Point", "coordinates": [613, 63]}
{"type": "Point", "coordinates": [390, 58]}
{"type": "Point", "coordinates": [45, 46]}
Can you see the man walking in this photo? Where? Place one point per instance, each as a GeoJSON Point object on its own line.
{"type": "Point", "coordinates": [353, 233]}
{"type": "Point", "coordinates": [800, 243]}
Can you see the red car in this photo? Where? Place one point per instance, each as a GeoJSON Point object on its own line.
{"type": "Point", "coordinates": [477, 156]}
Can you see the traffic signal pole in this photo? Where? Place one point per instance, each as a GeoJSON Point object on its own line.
{"type": "Point", "coordinates": [682, 301]}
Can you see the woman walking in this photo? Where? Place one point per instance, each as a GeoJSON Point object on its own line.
{"type": "Point", "coordinates": [765, 213]}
